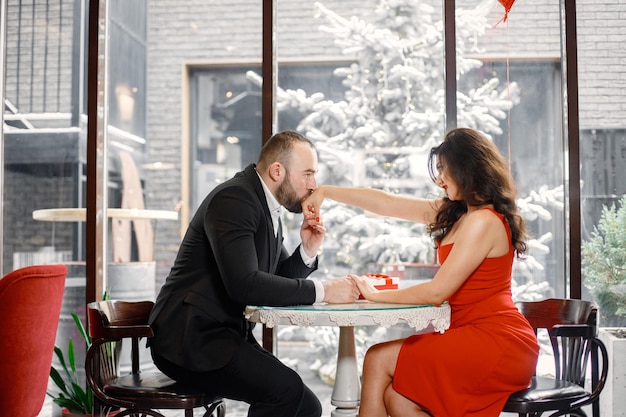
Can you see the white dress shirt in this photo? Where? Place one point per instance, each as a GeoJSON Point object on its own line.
{"type": "Point", "coordinates": [275, 211]}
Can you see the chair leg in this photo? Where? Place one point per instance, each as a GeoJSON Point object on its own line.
{"type": "Point", "coordinates": [221, 409]}
{"type": "Point", "coordinates": [216, 409]}
{"type": "Point", "coordinates": [99, 409]}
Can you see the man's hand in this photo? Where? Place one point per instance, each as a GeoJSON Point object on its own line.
{"type": "Point", "coordinates": [340, 291]}
{"type": "Point", "coordinates": [312, 233]}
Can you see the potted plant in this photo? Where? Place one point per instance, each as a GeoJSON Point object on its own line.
{"type": "Point", "coordinates": [73, 398]}
{"type": "Point", "coordinates": [74, 395]}
{"type": "Point", "coordinates": [604, 265]}
{"type": "Point", "coordinates": [604, 272]}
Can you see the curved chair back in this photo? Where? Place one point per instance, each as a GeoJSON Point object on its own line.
{"type": "Point", "coordinates": [137, 392]}
{"type": "Point", "coordinates": [571, 326]}
{"type": "Point", "coordinates": [30, 306]}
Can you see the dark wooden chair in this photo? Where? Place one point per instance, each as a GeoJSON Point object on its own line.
{"type": "Point", "coordinates": [571, 326]}
{"type": "Point", "coordinates": [135, 392]}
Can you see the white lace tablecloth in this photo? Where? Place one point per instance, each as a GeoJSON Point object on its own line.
{"type": "Point", "coordinates": [419, 317]}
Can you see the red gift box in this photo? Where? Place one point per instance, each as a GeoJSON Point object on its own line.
{"type": "Point", "coordinates": [382, 282]}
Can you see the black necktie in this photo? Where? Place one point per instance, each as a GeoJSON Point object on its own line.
{"type": "Point", "coordinates": [279, 234]}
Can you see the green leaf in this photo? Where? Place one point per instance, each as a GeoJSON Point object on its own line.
{"type": "Point", "coordinates": [59, 354]}
{"type": "Point", "coordinates": [70, 404]}
{"type": "Point", "coordinates": [82, 330]}
{"type": "Point", "coordinates": [58, 381]}
{"type": "Point", "coordinates": [82, 397]}
{"type": "Point", "coordinates": [71, 357]}
{"type": "Point", "coordinates": [71, 396]}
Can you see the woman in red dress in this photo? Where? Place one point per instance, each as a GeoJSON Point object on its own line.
{"type": "Point", "coordinates": [490, 350]}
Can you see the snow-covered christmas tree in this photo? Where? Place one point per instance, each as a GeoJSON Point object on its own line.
{"type": "Point", "coordinates": [392, 114]}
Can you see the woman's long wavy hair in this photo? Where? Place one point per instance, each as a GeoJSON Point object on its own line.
{"type": "Point", "coordinates": [483, 177]}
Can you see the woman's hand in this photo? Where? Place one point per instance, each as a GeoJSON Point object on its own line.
{"type": "Point", "coordinates": [367, 289]}
{"type": "Point", "coordinates": [311, 205]}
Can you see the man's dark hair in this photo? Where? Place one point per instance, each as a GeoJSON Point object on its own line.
{"type": "Point", "coordinates": [279, 147]}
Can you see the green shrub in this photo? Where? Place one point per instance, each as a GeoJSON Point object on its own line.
{"type": "Point", "coordinates": [604, 264]}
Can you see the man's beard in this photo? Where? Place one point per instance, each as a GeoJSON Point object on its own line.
{"type": "Point", "coordinates": [287, 197]}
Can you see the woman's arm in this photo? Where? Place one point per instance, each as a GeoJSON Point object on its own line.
{"type": "Point", "coordinates": [377, 201]}
{"type": "Point", "coordinates": [482, 235]}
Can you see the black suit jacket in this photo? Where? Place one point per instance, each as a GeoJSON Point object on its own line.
{"type": "Point", "coordinates": [229, 258]}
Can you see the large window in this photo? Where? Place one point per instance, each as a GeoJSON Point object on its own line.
{"type": "Point", "coordinates": [364, 79]}
{"type": "Point", "coordinates": [225, 118]}
{"type": "Point", "coordinates": [333, 67]}
{"type": "Point", "coordinates": [602, 157]}
{"type": "Point", "coordinates": [530, 137]}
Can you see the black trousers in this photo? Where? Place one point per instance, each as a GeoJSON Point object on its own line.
{"type": "Point", "coordinates": [256, 377]}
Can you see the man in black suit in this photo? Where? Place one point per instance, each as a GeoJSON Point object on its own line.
{"type": "Point", "coordinates": [232, 256]}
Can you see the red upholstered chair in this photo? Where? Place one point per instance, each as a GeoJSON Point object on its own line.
{"type": "Point", "coordinates": [30, 306]}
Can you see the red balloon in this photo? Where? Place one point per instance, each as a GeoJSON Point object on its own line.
{"type": "Point", "coordinates": [507, 4]}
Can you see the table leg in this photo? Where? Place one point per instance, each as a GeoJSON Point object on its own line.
{"type": "Point", "coordinates": [347, 389]}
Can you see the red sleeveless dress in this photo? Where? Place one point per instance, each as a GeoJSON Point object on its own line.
{"type": "Point", "coordinates": [488, 352]}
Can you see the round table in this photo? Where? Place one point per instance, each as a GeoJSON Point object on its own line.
{"type": "Point", "coordinates": [80, 214]}
{"type": "Point", "coordinates": [346, 394]}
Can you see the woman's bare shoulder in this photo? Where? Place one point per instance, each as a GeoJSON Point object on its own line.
{"type": "Point", "coordinates": [483, 219]}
